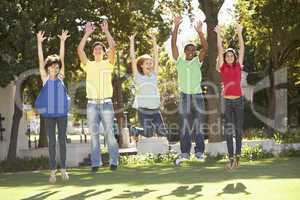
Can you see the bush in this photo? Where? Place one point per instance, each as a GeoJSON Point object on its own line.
{"type": "Point", "coordinates": [24, 164]}
{"type": "Point", "coordinates": [291, 136]}
{"type": "Point", "coordinates": [255, 153]}
{"type": "Point", "coordinates": [148, 158]}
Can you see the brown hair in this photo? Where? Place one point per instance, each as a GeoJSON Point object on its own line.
{"type": "Point", "coordinates": [52, 59]}
{"type": "Point", "coordinates": [233, 52]}
{"type": "Point", "coordinates": [140, 61]}
{"type": "Point", "coordinates": [100, 44]}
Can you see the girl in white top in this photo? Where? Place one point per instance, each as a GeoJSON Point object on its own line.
{"type": "Point", "coordinates": [147, 98]}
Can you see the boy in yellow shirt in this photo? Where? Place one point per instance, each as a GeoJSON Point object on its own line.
{"type": "Point", "coordinates": [99, 93]}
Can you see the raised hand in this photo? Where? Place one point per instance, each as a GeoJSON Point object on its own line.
{"type": "Point", "coordinates": [177, 20]}
{"type": "Point", "coordinates": [217, 29]}
{"type": "Point", "coordinates": [40, 36]}
{"type": "Point", "coordinates": [104, 26]}
{"type": "Point", "coordinates": [64, 35]}
{"type": "Point", "coordinates": [89, 28]}
{"type": "Point", "coordinates": [239, 28]}
{"type": "Point", "coordinates": [198, 27]}
{"type": "Point", "coordinates": [132, 37]}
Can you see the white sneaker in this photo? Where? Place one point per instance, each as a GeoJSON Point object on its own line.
{"type": "Point", "coordinates": [64, 174]}
{"type": "Point", "coordinates": [179, 160]}
{"type": "Point", "coordinates": [52, 177]}
{"type": "Point", "coordinates": [200, 157]}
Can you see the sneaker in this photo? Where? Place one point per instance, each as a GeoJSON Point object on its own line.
{"type": "Point", "coordinates": [95, 169]}
{"type": "Point", "coordinates": [200, 157]}
{"type": "Point", "coordinates": [113, 167]}
{"type": "Point", "coordinates": [52, 177]}
{"type": "Point", "coordinates": [178, 161]}
{"type": "Point", "coordinates": [64, 174]}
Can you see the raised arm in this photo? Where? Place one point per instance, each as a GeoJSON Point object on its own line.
{"type": "Point", "coordinates": [40, 39]}
{"type": "Point", "coordinates": [220, 47]}
{"type": "Point", "coordinates": [64, 35]}
{"type": "Point", "coordinates": [177, 21]}
{"type": "Point", "coordinates": [89, 29]}
{"type": "Point", "coordinates": [155, 55]}
{"type": "Point", "coordinates": [204, 44]}
{"type": "Point", "coordinates": [132, 55]}
{"type": "Point", "coordinates": [111, 42]}
{"type": "Point", "coordinates": [239, 30]}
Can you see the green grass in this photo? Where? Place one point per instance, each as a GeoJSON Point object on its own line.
{"type": "Point", "coordinates": [274, 179]}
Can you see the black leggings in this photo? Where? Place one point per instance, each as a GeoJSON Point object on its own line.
{"type": "Point", "coordinates": [234, 119]}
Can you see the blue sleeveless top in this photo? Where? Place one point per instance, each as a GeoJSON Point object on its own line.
{"type": "Point", "coordinates": [53, 100]}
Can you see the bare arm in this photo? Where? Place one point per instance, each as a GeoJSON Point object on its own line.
{"type": "Point", "coordinates": [220, 48]}
{"type": "Point", "coordinates": [204, 44]}
{"type": "Point", "coordinates": [64, 35]}
{"type": "Point", "coordinates": [177, 21]}
{"type": "Point", "coordinates": [89, 29]}
{"type": "Point", "coordinates": [132, 55]}
{"type": "Point", "coordinates": [155, 57]}
{"type": "Point", "coordinates": [40, 39]}
{"type": "Point", "coordinates": [241, 44]}
{"type": "Point", "coordinates": [111, 43]}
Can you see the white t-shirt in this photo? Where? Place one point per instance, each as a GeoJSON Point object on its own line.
{"type": "Point", "coordinates": [147, 94]}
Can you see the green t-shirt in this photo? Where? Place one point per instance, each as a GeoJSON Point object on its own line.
{"type": "Point", "coordinates": [189, 75]}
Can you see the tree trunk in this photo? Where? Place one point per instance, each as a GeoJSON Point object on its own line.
{"type": "Point", "coordinates": [211, 9]}
{"type": "Point", "coordinates": [12, 150]}
{"type": "Point", "coordinates": [118, 99]}
{"type": "Point", "coordinates": [43, 141]}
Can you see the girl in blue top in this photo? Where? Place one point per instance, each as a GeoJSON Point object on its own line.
{"type": "Point", "coordinates": [53, 102]}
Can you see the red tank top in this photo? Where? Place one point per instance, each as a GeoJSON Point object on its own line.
{"type": "Point", "coordinates": [231, 79]}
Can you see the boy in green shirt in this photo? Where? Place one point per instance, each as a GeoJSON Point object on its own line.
{"type": "Point", "coordinates": [191, 99]}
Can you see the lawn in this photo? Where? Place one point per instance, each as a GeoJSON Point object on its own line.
{"type": "Point", "coordinates": [274, 179]}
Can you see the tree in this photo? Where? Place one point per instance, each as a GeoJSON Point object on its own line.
{"type": "Point", "coordinates": [273, 33]}
{"type": "Point", "coordinates": [211, 10]}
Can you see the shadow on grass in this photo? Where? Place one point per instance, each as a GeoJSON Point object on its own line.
{"type": "Point", "coordinates": [87, 194]}
{"type": "Point", "coordinates": [184, 191]}
{"type": "Point", "coordinates": [188, 173]}
{"type": "Point", "coordinates": [234, 189]}
{"type": "Point", "coordinates": [40, 196]}
{"type": "Point", "coordinates": [127, 194]}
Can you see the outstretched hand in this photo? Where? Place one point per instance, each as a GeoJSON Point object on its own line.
{"type": "Point", "coordinates": [239, 28]}
{"type": "Point", "coordinates": [132, 37]}
{"type": "Point", "coordinates": [104, 26]}
{"type": "Point", "coordinates": [40, 36]}
{"type": "Point", "coordinates": [198, 27]}
{"type": "Point", "coordinates": [89, 28]}
{"type": "Point", "coordinates": [64, 35]}
{"type": "Point", "coordinates": [217, 29]}
{"type": "Point", "coordinates": [177, 20]}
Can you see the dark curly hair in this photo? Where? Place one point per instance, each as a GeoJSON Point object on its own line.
{"type": "Point", "coordinates": [52, 59]}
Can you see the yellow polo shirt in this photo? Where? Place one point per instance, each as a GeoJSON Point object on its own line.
{"type": "Point", "coordinates": [98, 79]}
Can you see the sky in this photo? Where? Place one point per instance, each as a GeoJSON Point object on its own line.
{"type": "Point", "coordinates": [186, 30]}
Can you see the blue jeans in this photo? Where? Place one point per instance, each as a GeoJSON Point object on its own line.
{"type": "Point", "coordinates": [50, 124]}
{"type": "Point", "coordinates": [234, 119]}
{"type": "Point", "coordinates": [191, 109]}
{"type": "Point", "coordinates": [102, 113]}
{"type": "Point", "coordinates": [151, 121]}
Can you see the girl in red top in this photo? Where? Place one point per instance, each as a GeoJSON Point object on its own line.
{"type": "Point", "coordinates": [230, 67]}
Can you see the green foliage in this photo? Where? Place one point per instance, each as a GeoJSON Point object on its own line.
{"type": "Point", "coordinates": [254, 153]}
{"type": "Point", "coordinates": [168, 88]}
{"type": "Point", "coordinates": [24, 164]}
{"type": "Point", "coordinates": [291, 136]}
{"type": "Point", "coordinates": [146, 159]}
